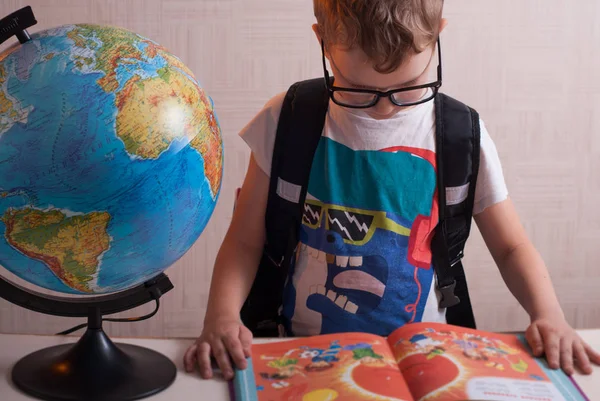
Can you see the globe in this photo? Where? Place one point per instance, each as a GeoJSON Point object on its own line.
{"type": "Point", "coordinates": [111, 159]}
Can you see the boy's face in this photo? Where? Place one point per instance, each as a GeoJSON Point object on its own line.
{"type": "Point", "coordinates": [353, 69]}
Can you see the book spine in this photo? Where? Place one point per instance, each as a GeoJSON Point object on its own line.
{"type": "Point", "coordinates": [244, 385]}
{"type": "Point", "coordinates": [578, 388]}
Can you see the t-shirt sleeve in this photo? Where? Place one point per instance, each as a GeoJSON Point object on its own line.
{"type": "Point", "coordinates": [491, 187]}
{"type": "Point", "coordinates": [259, 134]}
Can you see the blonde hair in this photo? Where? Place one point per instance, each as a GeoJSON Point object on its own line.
{"type": "Point", "coordinates": [386, 30]}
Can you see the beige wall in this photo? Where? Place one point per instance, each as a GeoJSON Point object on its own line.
{"type": "Point", "coordinates": [531, 67]}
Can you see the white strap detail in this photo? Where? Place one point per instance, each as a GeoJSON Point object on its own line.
{"type": "Point", "coordinates": [288, 190]}
{"type": "Point", "coordinates": [457, 195]}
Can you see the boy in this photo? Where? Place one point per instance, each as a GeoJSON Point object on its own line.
{"type": "Point", "coordinates": [376, 153]}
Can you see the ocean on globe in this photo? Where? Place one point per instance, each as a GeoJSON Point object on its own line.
{"type": "Point", "coordinates": [111, 159]}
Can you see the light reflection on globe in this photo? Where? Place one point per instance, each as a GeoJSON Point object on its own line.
{"type": "Point", "coordinates": [110, 159]}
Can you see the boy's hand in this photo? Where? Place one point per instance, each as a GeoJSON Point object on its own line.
{"type": "Point", "coordinates": [562, 346]}
{"type": "Point", "coordinates": [225, 339]}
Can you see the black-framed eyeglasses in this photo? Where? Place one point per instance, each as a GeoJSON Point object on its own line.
{"type": "Point", "coordinates": [364, 98]}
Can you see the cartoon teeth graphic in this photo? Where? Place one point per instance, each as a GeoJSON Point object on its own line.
{"type": "Point", "coordinates": [348, 279]}
{"type": "Point", "coordinates": [339, 300]}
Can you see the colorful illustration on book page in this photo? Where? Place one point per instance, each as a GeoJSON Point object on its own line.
{"type": "Point", "coordinates": [328, 368]}
{"type": "Point", "coordinates": [445, 365]}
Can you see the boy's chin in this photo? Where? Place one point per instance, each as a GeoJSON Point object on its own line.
{"type": "Point", "coordinates": [380, 116]}
{"type": "Point", "coordinates": [377, 116]}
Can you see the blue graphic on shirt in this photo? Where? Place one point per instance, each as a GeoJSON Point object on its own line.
{"type": "Point", "coordinates": [356, 228]}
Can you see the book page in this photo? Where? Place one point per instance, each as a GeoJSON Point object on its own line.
{"type": "Point", "coordinates": [446, 363]}
{"type": "Point", "coordinates": [327, 368]}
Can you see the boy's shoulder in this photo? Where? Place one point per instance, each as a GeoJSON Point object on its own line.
{"type": "Point", "coordinates": [259, 134]}
{"type": "Point", "coordinates": [273, 106]}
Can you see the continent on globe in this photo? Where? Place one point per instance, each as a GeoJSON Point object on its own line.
{"type": "Point", "coordinates": [152, 112]}
{"type": "Point", "coordinates": [70, 245]}
{"type": "Point", "coordinates": [116, 44]}
{"type": "Point", "coordinates": [208, 143]}
{"type": "Point", "coordinates": [10, 111]}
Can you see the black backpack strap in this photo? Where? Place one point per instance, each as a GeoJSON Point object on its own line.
{"type": "Point", "coordinates": [457, 158]}
{"type": "Point", "coordinates": [299, 129]}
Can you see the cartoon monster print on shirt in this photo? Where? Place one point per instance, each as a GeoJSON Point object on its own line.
{"type": "Point", "coordinates": [364, 263]}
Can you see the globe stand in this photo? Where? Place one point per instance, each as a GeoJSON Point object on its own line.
{"type": "Point", "coordinates": [94, 368]}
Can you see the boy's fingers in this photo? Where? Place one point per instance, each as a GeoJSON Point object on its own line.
{"type": "Point", "coordinates": [566, 355]}
{"type": "Point", "coordinates": [593, 355]}
{"type": "Point", "coordinates": [534, 338]}
{"type": "Point", "coordinates": [203, 357]}
{"type": "Point", "coordinates": [581, 356]}
{"type": "Point", "coordinates": [190, 357]}
{"type": "Point", "coordinates": [246, 340]}
{"type": "Point", "coordinates": [551, 347]}
{"type": "Point", "coordinates": [220, 353]}
{"type": "Point", "coordinates": [234, 346]}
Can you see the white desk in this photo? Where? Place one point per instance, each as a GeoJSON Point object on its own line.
{"type": "Point", "coordinates": [186, 386]}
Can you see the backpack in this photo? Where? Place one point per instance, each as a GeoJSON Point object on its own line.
{"type": "Point", "coordinates": [299, 130]}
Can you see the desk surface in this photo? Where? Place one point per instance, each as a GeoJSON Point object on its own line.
{"type": "Point", "coordinates": [14, 347]}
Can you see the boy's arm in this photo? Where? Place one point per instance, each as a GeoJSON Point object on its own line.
{"type": "Point", "coordinates": [237, 261]}
{"type": "Point", "coordinates": [235, 268]}
{"type": "Point", "coordinates": [527, 277]}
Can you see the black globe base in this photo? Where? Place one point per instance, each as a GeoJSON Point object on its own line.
{"type": "Point", "coordinates": [94, 369]}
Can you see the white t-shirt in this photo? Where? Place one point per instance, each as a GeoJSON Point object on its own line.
{"type": "Point", "coordinates": [364, 260]}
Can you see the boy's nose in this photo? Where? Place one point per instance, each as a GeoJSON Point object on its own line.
{"type": "Point", "coordinates": [384, 108]}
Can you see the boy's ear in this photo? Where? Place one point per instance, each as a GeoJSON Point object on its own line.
{"type": "Point", "coordinates": [315, 28]}
{"type": "Point", "coordinates": [443, 24]}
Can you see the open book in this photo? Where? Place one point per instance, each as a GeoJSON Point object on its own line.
{"type": "Point", "coordinates": [421, 361]}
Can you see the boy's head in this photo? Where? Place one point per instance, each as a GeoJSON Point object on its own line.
{"type": "Point", "coordinates": [380, 44]}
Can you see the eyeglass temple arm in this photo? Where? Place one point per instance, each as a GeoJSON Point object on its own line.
{"type": "Point", "coordinates": [327, 78]}
{"type": "Point", "coordinates": [439, 45]}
